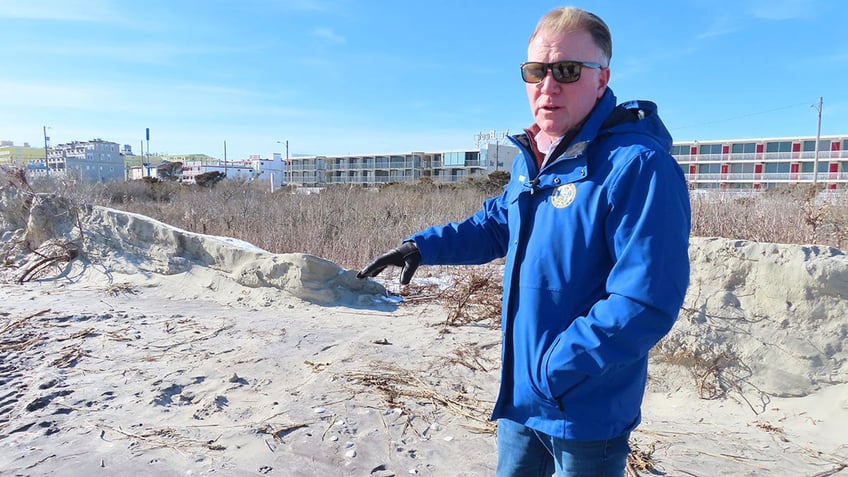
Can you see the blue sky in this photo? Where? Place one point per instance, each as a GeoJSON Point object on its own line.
{"type": "Point", "coordinates": [368, 76]}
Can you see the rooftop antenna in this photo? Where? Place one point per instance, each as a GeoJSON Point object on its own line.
{"type": "Point", "coordinates": [484, 138]}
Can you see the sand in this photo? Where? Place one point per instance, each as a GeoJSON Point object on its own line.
{"type": "Point", "coordinates": [156, 351]}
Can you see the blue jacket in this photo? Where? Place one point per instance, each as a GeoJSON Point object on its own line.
{"type": "Point", "coordinates": [596, 246]}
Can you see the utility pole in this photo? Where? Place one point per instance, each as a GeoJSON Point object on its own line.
{"type": "Point", "coordinates": [46, 164]}
{"type": "Point", "coordinates": [818, 135]}
{"type": "Point", "coordinates": [288, 165]}
{"type": "Point", "coordinates": [147, 135]}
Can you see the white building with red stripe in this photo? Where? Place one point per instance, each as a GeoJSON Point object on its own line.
{"type": "Point", "coordinates": [765, 163]}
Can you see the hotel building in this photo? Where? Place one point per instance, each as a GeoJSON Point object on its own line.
{"type": "Point", "coordinates": [756, 164]}
{"type": "Point", "coordinates": [376, 169]}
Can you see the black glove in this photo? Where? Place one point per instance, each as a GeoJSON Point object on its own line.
{"type": "Point", "coordinates": [406, 256]}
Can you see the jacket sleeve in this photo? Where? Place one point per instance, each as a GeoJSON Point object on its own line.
{"type": "Point", "coordinates": [478, 239]}
{"type": "Point", "coordinates": [647, 232]}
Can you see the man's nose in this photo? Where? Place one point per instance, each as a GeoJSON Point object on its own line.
{"type": "Point", "coordinates": [548, 83]}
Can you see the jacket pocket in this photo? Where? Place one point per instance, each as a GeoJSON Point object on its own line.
{"type": "Point", "coordinates": [556, 384]}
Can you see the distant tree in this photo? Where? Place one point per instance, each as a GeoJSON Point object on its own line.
{"type": "Point", "coordinates": [499, 178]}
{"type": "Point", "coordinates": [491, 184]}
{"type": "Point", "coordinates": [209, 179]}
{"type": "Point", "coordinates": [169, 171]}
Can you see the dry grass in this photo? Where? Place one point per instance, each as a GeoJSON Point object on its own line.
{"type": "Point", "coordinates": [474, 299]}
{"type": "Point", "coordinates": [351, 225]}
{"type": "Point", "coordinates": [795, 214]}
{"type": "Point", "coordinates": [405, 390]}
{"type": "Point", "coordinates": [640, 460]}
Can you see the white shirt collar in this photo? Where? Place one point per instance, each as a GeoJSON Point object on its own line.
{"type": "Point", "coordinates": [546, 144]}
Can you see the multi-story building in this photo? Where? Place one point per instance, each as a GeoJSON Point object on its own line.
{"type": "Point", "coordinates": [737, 164]}
{"type": "Point", "coordinates": [755, 164]}
{"type": "Point", "coordinates": [375, 169]}
{"type": "Point", "coordinates": [20, 155]}
{"type": "Point", "coordinates": [95, 160]}
{"type": "Point", "coordinates": [139, 166]}
{"type": "Point", "coordinates": [255, 168]}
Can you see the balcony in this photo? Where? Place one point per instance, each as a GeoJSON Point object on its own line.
{"type": "Point", "coordinates": [806, 156]}
{"type": "Point", "coordinates": [767, 177]}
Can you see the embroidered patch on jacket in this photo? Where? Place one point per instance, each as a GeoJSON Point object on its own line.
{"type": "Point", "coordinates": [563, 196]}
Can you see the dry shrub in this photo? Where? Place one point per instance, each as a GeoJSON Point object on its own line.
{"type": "Point", "coordinates": [405, 389]}
{"type": "Point", "coordinates": [350, 225]}
{"type": "Point", "coordinates": [474, 298]}
{"type": "Point", "coordinates": [640, 460]}
{"type": "Point", "coordinates": [712, 373]}
{"type": "Point", "coordinates": [716, 368]}
{"type": "Point", "coordinates": [795, 214]}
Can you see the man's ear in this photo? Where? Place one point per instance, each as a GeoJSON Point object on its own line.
{"type": "Point", "coordinates": [603, 81]}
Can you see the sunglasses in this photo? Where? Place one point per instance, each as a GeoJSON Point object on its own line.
{"type": "Point", "coordinates": [564, 71]}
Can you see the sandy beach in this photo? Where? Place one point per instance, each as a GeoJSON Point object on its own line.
{"type": "Point", "coordinates": [155, 351]}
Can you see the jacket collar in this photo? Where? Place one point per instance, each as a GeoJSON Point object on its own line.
{"type": "Point", "coordinates": [577, 143]}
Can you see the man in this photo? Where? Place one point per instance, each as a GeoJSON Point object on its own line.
{"type": "Point", "coordinates": [594, 225]}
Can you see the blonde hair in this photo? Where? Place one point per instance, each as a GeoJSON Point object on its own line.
{"type": "Point", "coordinates": [565, 19]}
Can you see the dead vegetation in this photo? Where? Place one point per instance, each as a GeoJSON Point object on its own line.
{"type": "Point", "coordinates": [350, 225]}
{"type": "Point", "coordinates": [121, 288]}
{"type": "Point", "coordinates": [475, 298]}
{"type": "Point", "coordinates": [799, 214]}
{"type": "Point", "coordinates": [35, 228]}
{"type": "Point", "coordinates": [51, 253]}
{"type": "Point", "coordinates": [406, 390]}
{"type": "Point", "coordinates": [640, 460]}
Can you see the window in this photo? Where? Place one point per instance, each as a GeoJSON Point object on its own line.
{"type": "Point", "coordinates": [709, 169]}
{"type": "Point", "coordinates": [710, 149]}
{"type": "Point", "coordinates": [743, 148]}
{"type": "Point", "coordinates": [783, 146]}
{"type": "Point", "coordinates": [746, 168]}
{"type": "Point", "coordinates": [397, 162]}
{"type": "Point", "coordinates": [681, 150]}
{"type": "Point", "coordinates": [743, 151]}
{"type": "Point", "coordinates": [777, 168]}
{"type": "Point", "coordinates": [454, 159]}
{"type": "Point", "coordinates": [810, 146]}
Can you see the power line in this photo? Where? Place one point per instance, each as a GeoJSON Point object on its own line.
{"type": "Point", "coordinates": [734, 118]}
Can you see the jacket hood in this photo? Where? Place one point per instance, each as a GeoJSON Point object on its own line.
{"type": "Point", "coordinates": [629, 117]}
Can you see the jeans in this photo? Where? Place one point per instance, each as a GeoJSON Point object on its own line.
{"type": "Point", "coordinates": [523, 452]}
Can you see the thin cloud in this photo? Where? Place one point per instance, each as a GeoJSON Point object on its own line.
{"type": "Point", "coordinates": [170, 99]}
{"type": "Point", "coordinates": [310, 5]}
{"type": "Point", "coordinates": [836, 58]}
{"type": "Point", "coordinates": [27, 93]}
{"type": "Point", "coordinates": [140, 53]}
{"type": "Point", "coordinates": [94, 11]}
{"type": "Point", "coordinates": [329, 35]}
{"type": "Point", "coordinates": [767, 10]}
{"type": "Point", "coordinates": [780, 10]}
{"type": "Point", "coordinates": [720, 27]}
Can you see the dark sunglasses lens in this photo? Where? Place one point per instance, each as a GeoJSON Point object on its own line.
{"type": "Point", "coordinates": [566, 71]}
{"type": "Point", "coordinates": [533, 72]}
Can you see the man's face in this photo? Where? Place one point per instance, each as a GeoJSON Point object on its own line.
{"type": "Point", "coordinates": [559, 107]}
